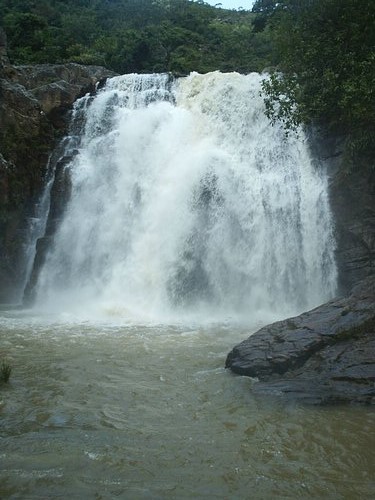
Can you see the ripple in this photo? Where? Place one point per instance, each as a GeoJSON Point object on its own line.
{"type": "Point", "coordinates": [132, 411]}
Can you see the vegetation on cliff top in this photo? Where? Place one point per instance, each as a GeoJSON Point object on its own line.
{"type": "Point", "coordinates": [326, 68]}
{"type": "Point", "coordinates": [321, 52]}
{"type": "Point", "coordinates": [134, 35]}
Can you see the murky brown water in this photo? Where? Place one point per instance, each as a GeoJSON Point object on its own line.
{"type": "Point", "coordinates": [104, 411]}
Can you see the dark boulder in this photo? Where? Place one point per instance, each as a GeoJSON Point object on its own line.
{"type": "Point", "coordinates": [323, 356]}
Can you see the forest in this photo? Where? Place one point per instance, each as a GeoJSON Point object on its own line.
{"type": "Point", "coordinates": [320, 53]}
{"type": "Point", "coordinates": [134, 35]}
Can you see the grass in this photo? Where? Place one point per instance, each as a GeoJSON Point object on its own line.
{"type": "Point", "coordinates": [5, 371]}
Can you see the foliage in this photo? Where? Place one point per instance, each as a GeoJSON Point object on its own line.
{"type": "Point", "coordinates": [5, 372]}
{"type": "Point", "coordinates": [326, 69]}
{"type": "Point", "coordinates": [134, 35]}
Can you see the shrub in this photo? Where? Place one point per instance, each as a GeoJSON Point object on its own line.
{"type": "Point", "coordinates": [5, 371]}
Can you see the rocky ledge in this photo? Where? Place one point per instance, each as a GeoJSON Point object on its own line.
{"type": "Point", "coordinates": [55, 87]}
{"type": "Point", "coordinates": [323, 356]}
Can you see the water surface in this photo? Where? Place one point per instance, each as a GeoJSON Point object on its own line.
{"type": "Point", "coordinates": [106, 410]}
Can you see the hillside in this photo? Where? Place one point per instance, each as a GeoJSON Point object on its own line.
{"type": "Point", "coordinates": [134, 35]}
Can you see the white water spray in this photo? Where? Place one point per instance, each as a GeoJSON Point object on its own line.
{"type": "Point", "coordinates": [185, 201]}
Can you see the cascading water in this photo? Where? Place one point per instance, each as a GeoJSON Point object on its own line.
{"type": "Point", "coordinates": [185, 201]}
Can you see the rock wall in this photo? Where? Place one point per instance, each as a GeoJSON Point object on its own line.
{"type": "Point", "coordinates": [352, 197]}
{"type": "Point", "coordinates": [353, 205]}
{"type": "Point", "coordinates": [34, 111]}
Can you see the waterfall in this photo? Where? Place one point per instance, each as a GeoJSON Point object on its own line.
{"type": "Point", "coordinates": [186, 201]}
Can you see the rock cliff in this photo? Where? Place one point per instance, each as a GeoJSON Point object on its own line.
{"type": "Point", "coordinates": [34, 112]}
{"type": "Point", "coordinates": [352, 197]}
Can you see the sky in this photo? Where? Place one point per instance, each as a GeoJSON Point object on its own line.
{"type": "Point", "coordinates": [232, 4]}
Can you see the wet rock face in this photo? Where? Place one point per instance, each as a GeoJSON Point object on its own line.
{"type": "Point", "coordinates": [353, 205]}
{"type": "Point", "coordinates": [352, 198]}
{"type": "Point", "coordinates": [34, 112]}
{"type": "Point", "coordinates": [323, 356]}
{"type": "Point", "coordinates": [60, 195]}
{"type": "Point", "coordinates": [26, 138]}
{"type": "Point", "coordinates": [3, 47]}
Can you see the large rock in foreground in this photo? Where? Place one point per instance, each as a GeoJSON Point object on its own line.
{"type": "Point", "coordinates": [323, 356]}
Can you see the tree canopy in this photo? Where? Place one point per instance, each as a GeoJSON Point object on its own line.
{"type": "Point", "coordinates": [320, 53]}
{"type": "Point", "coordinates": [134, 35]}
{"type": "Point", "coordinates": [326, 66]}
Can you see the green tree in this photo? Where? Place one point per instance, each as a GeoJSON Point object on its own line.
{"type": "Point", "coordinates": [27, 33]}
{"type": "Point", "coordinates": [326, 71]}
{"type": "Point", "coordinates": [134, 35]}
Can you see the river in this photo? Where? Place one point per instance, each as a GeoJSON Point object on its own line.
{"type": "Point", "coordinates": [115, 410]}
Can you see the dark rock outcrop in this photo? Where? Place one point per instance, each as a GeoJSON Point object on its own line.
{"type": "Point", "coordinates": [34, 113]}
{"type": "Point", "coordinates": [57, 86]}
{"type": "Point", "coordinates": [3, 49]}
{"type": "Point", "coordinates": [352, 198]}
{"type": "Point", "coordinates": [59, 197]}
{"type": "Point", "coordinates": [353, 206]}
{"type": "Point", "coordinates": [323, 356]}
